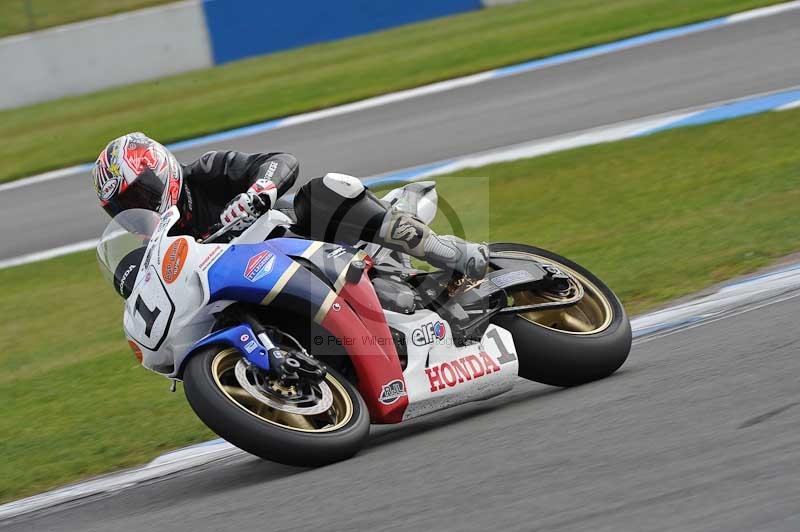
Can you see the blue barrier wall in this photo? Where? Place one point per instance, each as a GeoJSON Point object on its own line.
{"type": "Point", "coordinates": [241, 28]}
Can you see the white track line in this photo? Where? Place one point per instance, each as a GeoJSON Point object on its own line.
{"type": "Point", "coordinates": [730, 300]}
{"type": "Point", "coordinates": [442, 86]}
{"type": "Point", "coordinates": [610, 133]}
{"type": "Point", "coordinates": [49, 254]}
{"type": "Point", "coordinates": [763, 12]}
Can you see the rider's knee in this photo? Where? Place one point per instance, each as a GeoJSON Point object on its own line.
{"type": "Point", "coordinates": [338, 208]}
{"type": "Point", "coordinates": [344, 185]}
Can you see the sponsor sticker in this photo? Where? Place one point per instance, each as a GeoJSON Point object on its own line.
{"type": "Point", "coordinates": [507, 279]}
{"type": "Point", "coordinates": [259, 266]}
{"type": "Point", "coordinates": [109, 188]}
{"type": "Point", "coordinates": [337, 252]}
{"type": "Point", "coordinates": [244, 337]}
{"type": "Point", "coordinates": [155, 240]}
{"type": "Point", "coordinates": [174, 259]}
{"type": "Point", "coordinates": [337, 307]}
{"type": "Point", "coordinates": [251, 346]}
{"type": "Point", "coordinates": [454, 372]}
{"type": "Point", "coordinates": [273, 165]}
{"type": "Point", "coordinates": [208, 260]}
{"type": "Point", "coordinates": [125, 278]}
{"type": "Point", "coordinates": [428, 333]}
{"type": "Point", "coordinates": [392, 391]}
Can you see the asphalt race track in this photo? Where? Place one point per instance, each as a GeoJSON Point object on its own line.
{"type": "Point", "coordinates": [700, 431]}
{"type": "Point", "coordinates": [734, 61]}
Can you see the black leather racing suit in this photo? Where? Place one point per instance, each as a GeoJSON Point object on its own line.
{"type": "Point", "coordinates": [334, 208]}
{"type": "Point", "coordinates": [214, 179]}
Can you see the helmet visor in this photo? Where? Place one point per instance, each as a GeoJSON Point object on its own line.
{"type": "Point", "coordinates": [144, 193]}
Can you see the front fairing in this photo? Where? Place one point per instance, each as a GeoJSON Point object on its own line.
{"type": "Point", "coordinates": [182, 283]}
{"type": "Point", "coordinates": [166, 311]}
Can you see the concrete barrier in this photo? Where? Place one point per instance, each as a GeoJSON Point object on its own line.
{"type": "Point", "coordinates": [161, 41]}
{"type": "Point", "coordinates": [104, 52]}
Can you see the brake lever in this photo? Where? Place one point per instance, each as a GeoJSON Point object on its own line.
{"type": "Point", "coordinates": [261, 209]}
{"type": "Point", "coordinates": [221, 231]}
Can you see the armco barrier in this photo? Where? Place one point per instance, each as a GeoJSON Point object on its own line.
{"type": "Point", "coordinates": [242, 28]}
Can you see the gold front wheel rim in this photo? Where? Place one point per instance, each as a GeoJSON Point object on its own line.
{"type": "Point", "coordinates": [591, 315]}
{"type": "Point", "coordinates": [337, 416]}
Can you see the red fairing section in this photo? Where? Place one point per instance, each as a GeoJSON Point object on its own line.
{"type": "Point", "coordinates": [361, 325]}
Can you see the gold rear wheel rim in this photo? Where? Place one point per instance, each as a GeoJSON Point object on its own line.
{"type": "Point", "coordinates": [591, 315]}
{"type": "Point", "coordinates": [337, 416]}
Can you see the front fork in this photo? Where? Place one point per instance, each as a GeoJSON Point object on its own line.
{"type": "Point", "coordinates": [290, 368]}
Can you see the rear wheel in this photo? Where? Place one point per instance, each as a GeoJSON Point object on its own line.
{"type": "Point", "coordinates": [580, 334]}
{"type": "Point", "coordinates": [318, 425]}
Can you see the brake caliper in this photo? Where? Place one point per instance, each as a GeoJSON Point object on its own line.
{"type": "Point", "coordinates": [295, 368]}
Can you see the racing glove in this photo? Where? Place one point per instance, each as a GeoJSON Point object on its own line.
{"type": "Point", "coordinates": [245, 208]}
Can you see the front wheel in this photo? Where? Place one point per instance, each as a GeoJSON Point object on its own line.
{"type": "Point", "coordinates": [567, 342]}
{"type": "Point", "coordinates": [327, 424]}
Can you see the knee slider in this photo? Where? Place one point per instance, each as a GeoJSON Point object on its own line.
{"type": "Point", "coordinates": [344, 185]}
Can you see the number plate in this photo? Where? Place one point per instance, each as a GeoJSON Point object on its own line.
{"type": "Point", "coordinates": [151, 310]}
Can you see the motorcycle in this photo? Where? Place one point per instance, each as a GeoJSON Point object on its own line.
{"type": "Point", "coordinates": [290, 348]}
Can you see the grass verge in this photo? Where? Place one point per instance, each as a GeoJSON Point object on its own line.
{"type": "Point", "coordinates": [73, 130]}
{"type": "Point", "coordinates": [655, 217]}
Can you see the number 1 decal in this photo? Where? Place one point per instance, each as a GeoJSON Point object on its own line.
{"type": "Point", "coordinates": [505, 354]}
{"type": "Point", "coordinates": [148, 319]}
{"type": "Point", "coordinates": [149, 316]}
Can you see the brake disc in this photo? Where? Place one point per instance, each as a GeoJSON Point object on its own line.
{"type": "Point", "coordinates": [323, 405]}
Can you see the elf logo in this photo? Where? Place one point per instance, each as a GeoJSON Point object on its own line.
{"type": "Point", "coordinates": [435, 330]}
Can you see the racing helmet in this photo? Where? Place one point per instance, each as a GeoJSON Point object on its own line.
{"type": "Point", "coordinates": [136, 172]}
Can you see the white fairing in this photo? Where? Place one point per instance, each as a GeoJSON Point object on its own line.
{"type": "Point", "coordinates": [261, 228]}
{"type": "Point", "coordinates": [165, 317]}
{"type": "Point", "coordinates": [167, 311]}
{"type": "Point", "coordinates": [440, 375]}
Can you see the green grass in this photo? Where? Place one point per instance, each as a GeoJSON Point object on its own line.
{"type": "Point", "coordinates": [655, 217]}
{"type": "Point", "coordinates": [73, 130]}
{"type": "Point", "coordinates": [75, 401]}
{"type": "Point", "coordinates": [20, 16]}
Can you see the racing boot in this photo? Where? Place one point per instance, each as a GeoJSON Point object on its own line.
{"type": "Point", "coordinates": [404, 232]}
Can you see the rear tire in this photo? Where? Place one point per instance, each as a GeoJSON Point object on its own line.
{"type": "Point", "coordinates": [562, 357]}
{"type": "Point", "coordinates": [267, 439]}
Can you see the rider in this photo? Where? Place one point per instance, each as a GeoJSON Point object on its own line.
{"type": "Point", "coordinates": [234, 188]}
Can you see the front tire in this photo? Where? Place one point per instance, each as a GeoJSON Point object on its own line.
{"type": "Point", "coordinates": [569, 346]}
{"type": "Point", "coordinates": [273, 434]}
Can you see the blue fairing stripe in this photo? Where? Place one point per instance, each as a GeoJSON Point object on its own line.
{"type": "Point", "coordinates": [258, 273]}
{"type": "Point", "coordinates": [247, 272]}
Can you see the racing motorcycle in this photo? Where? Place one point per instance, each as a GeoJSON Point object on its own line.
{"type": "Point", "coordinates": [290, 348]}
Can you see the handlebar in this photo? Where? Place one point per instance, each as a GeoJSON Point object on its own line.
{"type": "Point", "coordinates": [260, 208]}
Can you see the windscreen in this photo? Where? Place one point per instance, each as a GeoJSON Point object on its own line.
{"type": "Point", "coordinates": [128, 231]}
